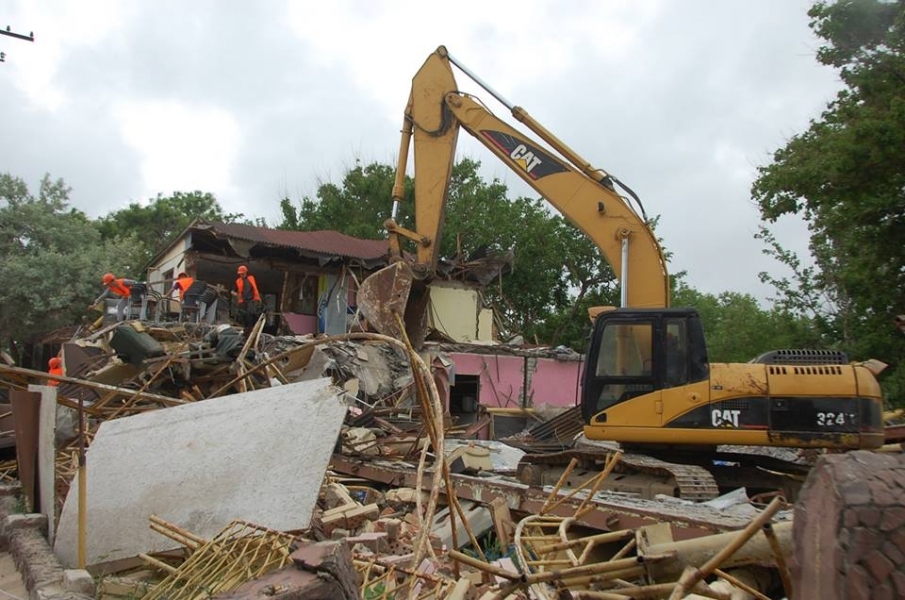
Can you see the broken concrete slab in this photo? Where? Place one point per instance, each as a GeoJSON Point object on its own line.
{"type": "Point", "coordinates": [258, 456]}
{"type": "Point", "coordinates": [505, 458]}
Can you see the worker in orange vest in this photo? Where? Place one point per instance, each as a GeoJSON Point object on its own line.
{"type": "Point", "coordinates": [120, 288]}
{"type": "Point", "coordinates": [182, 283]}
{"type": "Point", "coordinates": [249, 299]}
{"type": "Point", "coordinates": [55, 365]}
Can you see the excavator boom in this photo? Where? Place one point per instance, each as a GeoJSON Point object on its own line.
{"type": "Point", "coordinates": [436, 111]}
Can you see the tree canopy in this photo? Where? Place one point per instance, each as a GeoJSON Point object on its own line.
{"type": "Point", "coordinates": [52, 258]}
{"type": "Point", "coordinates": [845, 176]}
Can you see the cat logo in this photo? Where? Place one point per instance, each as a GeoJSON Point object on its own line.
{"type": "Point", "coordinates": [524, 157]}
{"type": "Point", "coordinates": [724, 418]}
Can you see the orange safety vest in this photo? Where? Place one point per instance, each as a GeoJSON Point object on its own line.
{"type": "Point", "coordinates": [183, 284]}
{"type": "Point", "coordinates": [240, 286]}
{"type": "Point", "coordinates": [119, 287]}
{"type": "Point", "coordinates": [56, 368]}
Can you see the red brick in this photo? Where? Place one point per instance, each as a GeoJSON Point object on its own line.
{"type": "Point", "coordinates": [881, 493]}
{"type": "Point", "coordinates": [893, 518]}
{"type": "Point", "coordinates": [855, 493]}
{"type": "Point", "coordinates": [862, 542]}
{"type": "Point", "coordinates": [850, 517]}
{"type": "Point", "coordinates": [900, 477]}
{"type": "Point", "coordinates": [878, 565]}
{"type": "Point", "coordinates": [898, 538]}
{"type": "Point", "coordinates": [857, 584]}
{"type": "Point", "coordinates": [869, 516]}
{"type": "Point", "coordinates": [898, 579]}
{"type": "Point", "coordinates": [883, 591]}
{"type": "Point", "coordinates": [893, 553]}
{"type": "Point", "coordinates": [887, 476]}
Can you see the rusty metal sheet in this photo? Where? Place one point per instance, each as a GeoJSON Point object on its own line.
{"type": "Point", "coordinates": [383, 296]}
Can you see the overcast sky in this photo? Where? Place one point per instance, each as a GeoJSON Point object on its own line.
{"type": "Point", "coordinates": [253, 101]}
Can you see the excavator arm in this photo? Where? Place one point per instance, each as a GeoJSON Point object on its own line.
{"type": "Point", "coordinates": [586, 196]}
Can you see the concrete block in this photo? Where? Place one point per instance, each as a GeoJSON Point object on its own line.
{"type": "Point", "coordinates": [80, 581]}
{"type": "Point", "coordinates": [10, 489]}
{"type": "Point", "coordinates": [25, 521]}
{"type": "Point", "coordinates": [259, 456]}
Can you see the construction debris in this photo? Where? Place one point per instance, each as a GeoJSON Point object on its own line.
{"type": "Point", "coordinates": [300, 467]}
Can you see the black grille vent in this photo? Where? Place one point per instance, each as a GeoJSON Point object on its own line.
{"type": "Point", "coordinates": [820, 370]}
{"type": "Point", "coordinates": [736, 404]}
{"type": "Point", "coordinates": [802, 357]}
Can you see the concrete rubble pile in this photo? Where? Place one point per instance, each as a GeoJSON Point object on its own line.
{"type": "Point", "coordinates": [300, 467]}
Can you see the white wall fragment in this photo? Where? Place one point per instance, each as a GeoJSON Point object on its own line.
{"type": "Point", "coordinates": [259, 456]}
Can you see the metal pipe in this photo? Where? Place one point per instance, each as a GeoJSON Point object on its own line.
{"type": "Point", "coordinates": [478, 80]}
{"type": "Point", "coordinates": [623, 280]}
{"type": "Point", "coordinates": [522, 116]}
{"type": "Point", "coordinates": [401, 164]}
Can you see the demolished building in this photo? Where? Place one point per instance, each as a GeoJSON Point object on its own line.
{"type": "Point", "coordinates": [352, 465]}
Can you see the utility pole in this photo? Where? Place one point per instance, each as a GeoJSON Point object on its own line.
{"type": "Point", "coordinates": [28, 38]}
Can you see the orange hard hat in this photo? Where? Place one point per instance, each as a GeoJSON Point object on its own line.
{"type": "Point", "coordinates": [108, 278]}
{"type": "Point", "coordinates": [242, 269]}
{"type": "Point", "coordinates": [54, 362]}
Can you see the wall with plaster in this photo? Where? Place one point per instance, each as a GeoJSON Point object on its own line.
{"type": "Point", "coordinates": [503, 379]}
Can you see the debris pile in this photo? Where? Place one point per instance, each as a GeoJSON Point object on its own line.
{"type": "Point", "coordinates": [329, 467]}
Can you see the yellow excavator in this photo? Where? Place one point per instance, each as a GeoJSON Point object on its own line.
{"type": "Point", "coordinates": [648, 383]}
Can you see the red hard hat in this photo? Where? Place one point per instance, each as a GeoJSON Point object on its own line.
{"type": "Point", "coordinates": [108, 277]}
{"type": "Point", "coordinates": [242, 269]}
{"type": "Point", "coordinates": [54, 362]}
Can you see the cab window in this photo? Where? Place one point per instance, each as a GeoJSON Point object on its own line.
{"type": "Point", "coordinates": [625, 350]}
{"type": "Point", "coordinates": [624, 367]}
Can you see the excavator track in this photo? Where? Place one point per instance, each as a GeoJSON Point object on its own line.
{"type": "Point", "coordinates": [692, 482]}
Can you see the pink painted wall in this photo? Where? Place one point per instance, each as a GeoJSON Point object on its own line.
{"type": "Point", "coordinates": [301, 324]}
{"type": "Point", "coordinates": [556, 382]}
{"type": "Point", "coordinates": [502, 379]}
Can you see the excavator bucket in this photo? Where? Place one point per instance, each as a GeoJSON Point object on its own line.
{"type": "Point", "coordinates": [388, 296]}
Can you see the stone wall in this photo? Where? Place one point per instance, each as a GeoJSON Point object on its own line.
{"type": "Point", "coordinates": [24, 537]}
{"type": "Point", "coordinates": [849, 529]}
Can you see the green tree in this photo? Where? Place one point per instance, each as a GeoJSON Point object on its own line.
{"type": "Point", "coordinates": [357, 207]}
{"type": "Point", "coordinates": [52, 258]}
{"type": "Point", "coordinates": [845, 176]}
{"type": "Point", "coordinates": [155, 224]}
{"type": "Point", "coordinates": [738, 329]}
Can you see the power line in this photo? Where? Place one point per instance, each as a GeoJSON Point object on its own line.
{"type": "Point", "coordinates": [19, 36]}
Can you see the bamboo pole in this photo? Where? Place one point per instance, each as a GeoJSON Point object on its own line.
{"type": "Point", "coordinates": [741, 584]}
{"type": "Point", "coordinates": [559, 484]}
{"type": "Point", "coordinates": [781, 565]}
{"type": "Point", "coordinates": [693, 575]}
{"type": "Point", "coordinates": [157, 563]}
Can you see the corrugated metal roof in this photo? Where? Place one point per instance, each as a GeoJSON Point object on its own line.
{"type": "Point", "coordinates": [330, 243]}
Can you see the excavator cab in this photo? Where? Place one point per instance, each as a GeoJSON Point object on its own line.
{"type": "Point", "coordinates": [633, 352]}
